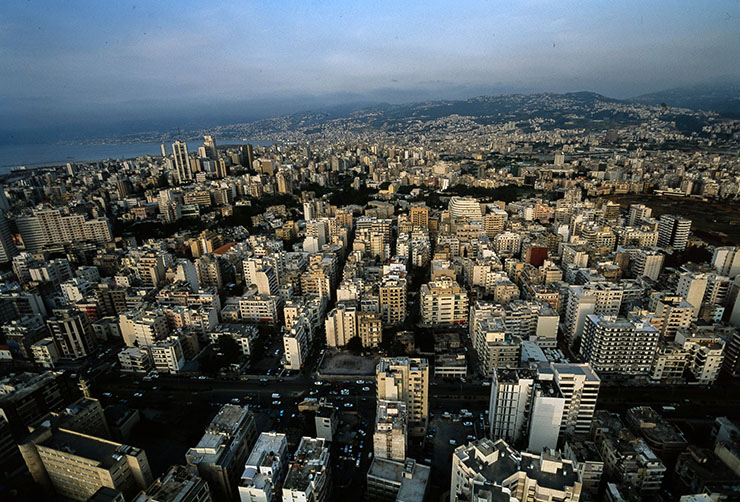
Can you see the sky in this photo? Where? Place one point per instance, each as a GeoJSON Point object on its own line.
{"type": "Point", "coordinates": [114, 66]}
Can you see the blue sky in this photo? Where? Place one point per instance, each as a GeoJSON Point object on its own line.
{"type": "Point", "coordinates": [67, 62]}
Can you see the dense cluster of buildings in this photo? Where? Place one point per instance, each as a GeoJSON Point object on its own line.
{"type": "Point", "coordinates": [546, 299]}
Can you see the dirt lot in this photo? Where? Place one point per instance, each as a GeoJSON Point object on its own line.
{"type": "Point", "coordinates": [342, 363]}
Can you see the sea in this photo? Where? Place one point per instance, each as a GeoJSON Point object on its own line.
{"type": "Point", "coordinates": [42, 155]}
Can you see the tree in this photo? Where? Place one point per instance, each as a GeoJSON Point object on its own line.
{"type": "Point", "coordinates": [355, 345]}
{"type": "Point", "coordinates": [230, 350]}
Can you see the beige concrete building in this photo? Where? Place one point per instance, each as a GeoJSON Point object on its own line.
{"type": "Point", "coordinates": [389, 438]}
{"type": "Point", "coordinates": [406, 379]}
{"type": "Point", "coordinates": [392, 292]}
{"type": "Point", "coordinates": [443, 302]}
{"type": "Point", "coordinates": [75, 465]}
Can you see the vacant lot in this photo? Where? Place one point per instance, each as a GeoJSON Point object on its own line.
{"type": "Point", "coordinates": [342, 363]}
{"type": "Point", "coordinates": [717, 222]}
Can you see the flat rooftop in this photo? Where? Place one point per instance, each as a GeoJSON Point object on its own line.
{"type": "Point", "coordinates": [106, 453]}
{"type": "Point", "coordinates": [411, 487]}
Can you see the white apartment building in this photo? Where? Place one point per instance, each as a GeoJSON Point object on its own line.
{"type": "Point", "coordinates": [167, 355]}
{"type": "Point", "coordinates": [488, 470]}
{"type": "Point", "coordinates": [618, 345]}
{"type": "Point", "coordinates": [263, 470]}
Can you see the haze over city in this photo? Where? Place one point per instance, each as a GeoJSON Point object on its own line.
{"type": "Point", "coordinates": [131, 66]}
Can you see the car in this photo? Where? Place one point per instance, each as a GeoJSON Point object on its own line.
{"type": "Point", "coordinates": [471, 437]}
{"type": "Point", "coordinates": [107, 394]}
{"type": "Point", "coordinates": [344, 392]}
{"type": "Point", "coordinates": [235, 400]}
{"type": "Point", "coordinates": [263, 380]}
{"type": "Point", "coordinates": [202, 377]}
{"type": "Point", "coordinates": [275, 395]}
{"type": "Point", "coordinates": [276, 403]}
{"type": "Point", "coordinates": [348, 405]}
{"type": "Point", "coordinates": [366, 389]}
{"type": "Point", "coordinates": [468, 424]}
{"type": "Point", "coordinates": [453, 442]}
{"type": "Point", "coordinates": [138, 394]}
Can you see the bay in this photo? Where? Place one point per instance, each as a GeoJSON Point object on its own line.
{"type": "Point", "coordinates": [55, 154]}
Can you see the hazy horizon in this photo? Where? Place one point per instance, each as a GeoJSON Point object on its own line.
{"type": "Point", "coordinates": [86, 67]}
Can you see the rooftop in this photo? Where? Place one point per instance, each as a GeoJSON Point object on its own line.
{"type": "Point", "coordinates": [105, 453]}
{"type": "Point", "coordinates": [309, 461]}
{"type": "Point", "coordinates": [410, 477]}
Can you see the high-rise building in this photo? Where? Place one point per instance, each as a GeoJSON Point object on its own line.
{"type": "Point", "coordinates": [326, 421]}
{"type": "Point", "coordinates": [263, 470]}
{"type": "Point", "coordinates": [296, 344]}
{"type": "Point", "coordinates": [526, 403]}
{"type": "Point", "coordinates": [369, 328]}
{"type": "Point", "coordinates": [406, 379]}
{"type": "Point", "coordinates": [389, 438]}
{"type": "Point", "coordinates": [648, 263]}
{"type": "Point", "coordinates": [4, 204]}
{"type": "Point", "coordinates": [72, 333]}
{"type": "Point", "coordinates": [341, 325]}
{"type": "Point", "coordinates": [600, 298]}
{"type": "Point", "coordinates": [638, 213]}
{"type": "Point", "coordinates": [220, 454]}
{"type": "Point", "coordinates": [494, 222]}
{"type": "Point", "coordinates": [391, 480]}
{"type": "Point", "coordinates": [511, 396]}
{"type": "Point", "coordinates": [76, 465]}
{"type": "Point", "coordinates": [183, 170]}
{"type": "Point", "coordinates": [579, 385]}
{"type": "Point", "coordinates": [308, 476]}
{"type": "Point", "coordinates": [392, 293]}
{"type": "Point", "coordinates": [7, 247]}
{"type": "Point", "coordinates": [208, 268]}
{"type": "Point", "coordinates": [673, 313]}
{"type": "Point", "coordinates": [419, 216]}
{"type": "Point", "coordinates": [209, 144]}
{"type": "Point", "coordinates": [619, 346]}
{"type": "Point", "coordinates": [465, 207]}
{"type": "Point", "coordinates": [178, 484]}
{"type": "Point", "coordinates": [488, 470]}
{"type": "Point", "coordinates": [48, 227]}
{"type": "Point", "coordinates": [246, 153]}
{"type": "Point", "coordinates": [27, 397]}
{"type": "Point", "coordinates": [443, 302]}
{"type": "Point", "coordinates": [673, 232]}
{"type": "Point", "coordinates": [726, 261]}
{"type": "Point", "coordinates": [692, 287]}
{"type": "Point", "coordinates": [495, 345]}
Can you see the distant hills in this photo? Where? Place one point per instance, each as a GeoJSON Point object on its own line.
{"type": "Point", "coordinates": [437, 119]}
{"type": "Point", "coordinates": [723, 98]}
